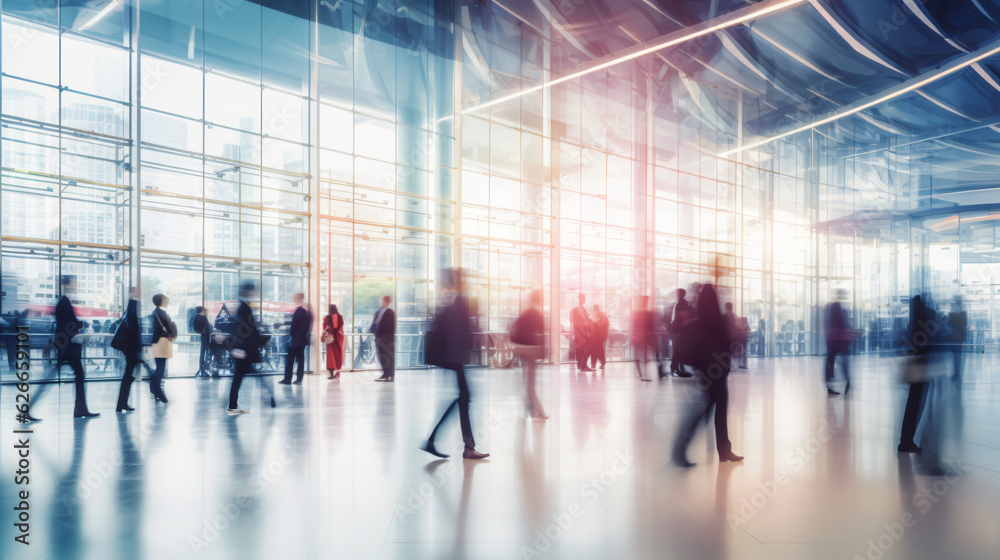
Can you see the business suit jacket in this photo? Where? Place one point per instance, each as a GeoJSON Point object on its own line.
{"type": "Point", "coordinates": [581, 326]}
{"type": "Point", "coordinates": [202, 325]}
{"type": "Point", "coordinates": [247, 337]}
{"type": "Point", "coordinates": [67, 326]}
{"type": "Point", "coordinates": [958, 322]}
{"type": "Point", "coordinates": [387, 327]}
{"type": "Point", "coordinates": [458, 332]}
{"type": "Point", "coordinates": [299, 329]}
{"type": "Point", "coordinates": [838, 328]}
{"type": "Point", "coordinates": [133, 329]}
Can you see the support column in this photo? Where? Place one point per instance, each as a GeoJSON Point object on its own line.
{"type": "Point", "coordinates": [312, 188]}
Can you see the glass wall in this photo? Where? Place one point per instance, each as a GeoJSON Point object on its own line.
{"type": "Point", "coordinates": [350, 150]}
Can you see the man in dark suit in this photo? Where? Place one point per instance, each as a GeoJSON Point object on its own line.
{"type": "Point", "coordinates": [454, 321]}
{"type": "Point", "coordinates": [838, 341]}
{"type": "Point", "coordinates": [579, 321]}
{"type": "Point", "coordinates": [203, 327]}
{"type": "Point", "coordinates": [68, 350]}
{"type": "Point", "coordinates": [298, 334]}
{"type": "Point", "coordinates": [247, 342]}
{"type": "Point", "coordinates": [384, 328]}
{"type": "Point", "coordinates": [643, 336]}
{"type": "Point", "coordinates": [679, 321]}
{"type": "Point", "coordinates": [600, 340]}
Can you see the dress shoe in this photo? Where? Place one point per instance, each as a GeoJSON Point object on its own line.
{"type": "Point", "coordinates": [384, 379]}
{"type": "Point", "coordinates": [236, 411]}
{"type": "Point", "coordinates": [831, 393]}
{"type": "Point", "coordinates": [284, 382]}
{"type": "Point", "coordinates": [86, 415]}
{"type": "Point", "coordinates": [161, 398]}
{"type": "Point", "coordinates": [124, 409]}
{"type": "Point", "coordinates": [730, 458]}
{"type": "Point", "coordinates": [299, 382]}
{"type": "Point", "coordinates": [908, 448]}
{"type": "Point", "coordinates": [429, 447]}
{"type": "Point", "coordinates": [473, 454]}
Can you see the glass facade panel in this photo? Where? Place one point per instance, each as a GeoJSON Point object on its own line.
{"type": "Point", "coordinates": [351, 150]}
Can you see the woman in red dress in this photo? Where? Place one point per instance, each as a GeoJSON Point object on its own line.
{"type": "Point", "coordinates": [333, 336]}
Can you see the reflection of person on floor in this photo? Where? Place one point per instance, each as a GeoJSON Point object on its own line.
{"type": "Point", "coordinates": [598, 348]}
{"type": "Point", "coordinates": [710, 357]}
{"type": "Point", "coordinates": [579, 320]}
{"type": "Point", "coordinates": [455, 323]}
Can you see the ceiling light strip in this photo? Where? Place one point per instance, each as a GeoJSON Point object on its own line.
{"type": "Point", "coordinates": [729, 20]}
{"type": "Point", "coordinates": [891, 93]}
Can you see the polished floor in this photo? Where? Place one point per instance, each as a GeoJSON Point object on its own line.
{"type": "Point", "coordinates": [334, 471]}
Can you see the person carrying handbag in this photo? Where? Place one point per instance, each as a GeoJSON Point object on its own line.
{"type": "Point", "coordinates": [164, 334]}
{"type": "Point", "coordinates": [128, 341]}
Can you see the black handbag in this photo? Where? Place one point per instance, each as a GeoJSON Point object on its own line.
{"type": "Point", "coordinates": [120, 340]}
{"type": "Point", "coordinates": [434, 347]}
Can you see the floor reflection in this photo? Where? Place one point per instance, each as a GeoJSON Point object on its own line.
{"type": "Point", "coordinates": [335, 470]}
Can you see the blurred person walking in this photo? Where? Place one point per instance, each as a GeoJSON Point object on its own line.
{"type": "Point", "coordinates": [128, 340]}
{"type": "Point", "coordinates": [598, 347]}
{"type": "Point", "coordinates": [710, 356]}
{"type": "Point", "coordinates": [247, 342]}
{"type": "Point", "coordinates": [917, 346]}
{"type": "Point", "coordinates": [69, 348]}
{"type": "Point", "coordinates": [527, 334]}
{"type": "Point", "coordinates": [333, 337]}
{"type": "Point", "coordinates": [582, 331]}
{"type": "Point", "coordinates": [449, 347]}
{"type": "Point", "coordinates": [299, 338]}
{"type": "Point", "coordinates": [958, 327]}
{"type": "Point", "coordinates": [164, 334]}
{"type": "Point", "coordinates": [384, 328]}
{"type": "Point", "coordinates": [643, 336]}
{"type": "Point", "coordinates": [203, 328]}
{"type": "Point", "coordinates": [838, 341]}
